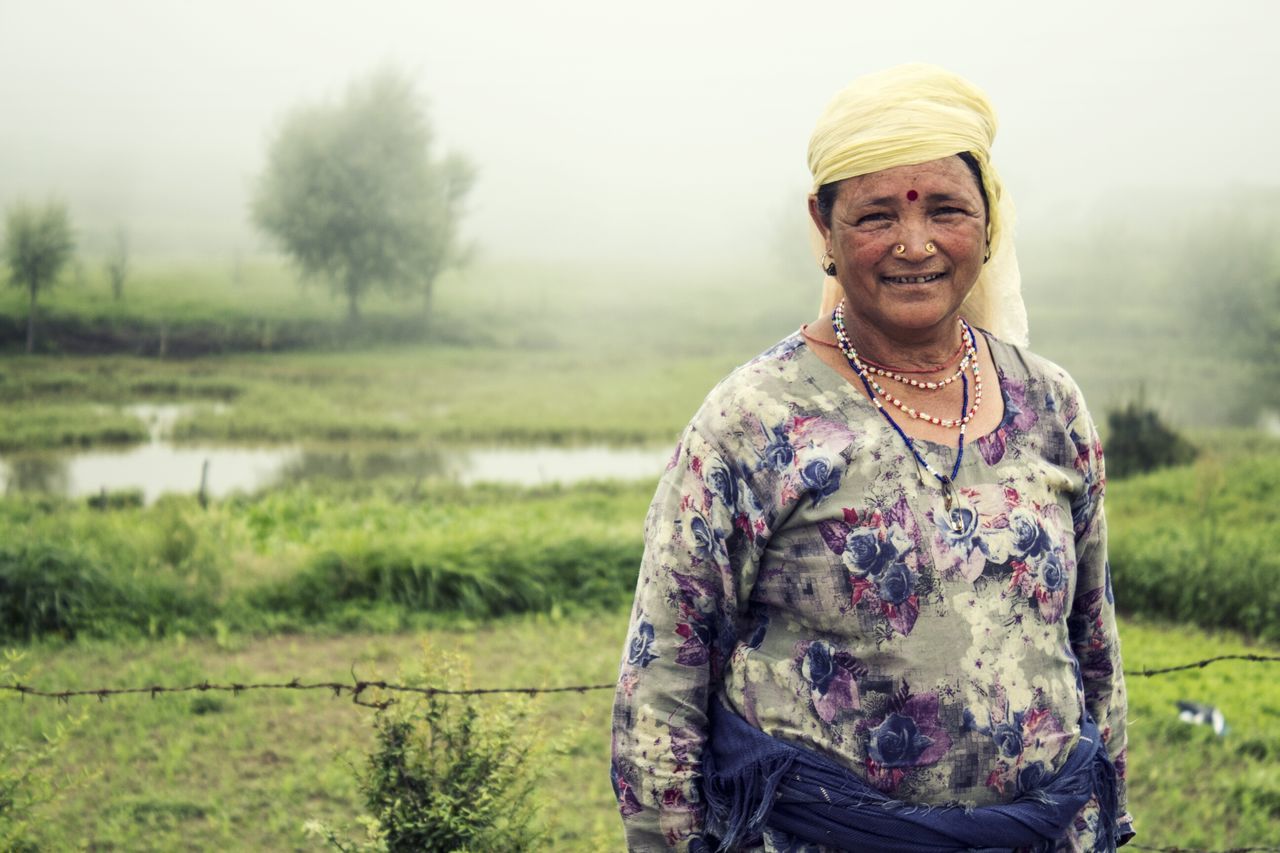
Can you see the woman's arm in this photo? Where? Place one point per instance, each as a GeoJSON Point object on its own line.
{"type": "Point", "coordinates": [699, 547]}
{"type": "Point", "coordinates": [1094, 636]}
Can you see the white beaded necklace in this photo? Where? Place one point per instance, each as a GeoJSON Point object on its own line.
{"type": "Point", "coordinates": [970, 361]}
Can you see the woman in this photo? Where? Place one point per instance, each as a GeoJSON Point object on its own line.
{"type": "Point", "coordinates": [875, 572]}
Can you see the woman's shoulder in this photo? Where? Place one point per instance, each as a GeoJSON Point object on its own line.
{"type": "Point", "coordinates": [1020, 362]}
{"type": "Point", "coordinates": [1033, 381]}
{"type": "Point", "coordinates": [759, 390]}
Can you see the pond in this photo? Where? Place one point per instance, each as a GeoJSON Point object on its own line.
{"type": "Point", "coordinates": [161, 466]}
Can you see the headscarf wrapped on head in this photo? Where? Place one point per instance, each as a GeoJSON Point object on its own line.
{"type": "Point", "coordinates": [913, 114]}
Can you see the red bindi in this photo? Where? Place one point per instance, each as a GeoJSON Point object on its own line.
{"type": "Point", "coordinates": [912, 195]}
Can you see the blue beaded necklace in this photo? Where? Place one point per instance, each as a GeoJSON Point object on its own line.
{"type": "Point", "coordinates": [949, 496]}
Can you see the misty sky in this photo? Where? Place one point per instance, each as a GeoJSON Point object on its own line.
{"type": "Point", "coordinates": [630, 132]}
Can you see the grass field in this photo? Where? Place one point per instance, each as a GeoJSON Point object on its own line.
{"type": "Point", "coordinates": [310, 580]}
{"type": "Point", "coordinates": [211, 771]}
{"type": "Point", "coordinates": [386, 553]}
{"type": "Point", "coordinates": [528, 355]}
{"type": "Point", "coordinates": [522, 353]}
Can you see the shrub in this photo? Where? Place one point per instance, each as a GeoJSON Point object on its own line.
{"type": "Point", "coordinates": [449, 774]}
{"type": "Point", "coordinates": [478, 579]}
{"type": "Point", "coordinates": [1139, 441]}
{"type": "Point", "coordinates": [46, 588]}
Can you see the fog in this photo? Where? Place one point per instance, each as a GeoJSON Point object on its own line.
{"type": "Point", "coordinates": [664, 132]}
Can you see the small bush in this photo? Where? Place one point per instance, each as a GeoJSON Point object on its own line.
{"type": "Point", "coordinates": [449, 774]}
{"type": "Point", "coordinates": [1139, 441]}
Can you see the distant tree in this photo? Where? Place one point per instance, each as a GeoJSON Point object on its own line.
{"type": "Point", "coordinates": [117, 263]}
{"type": "Point", "coordinates": [353, 193]}
{"type": "Point", "coordinates": [37, 245]}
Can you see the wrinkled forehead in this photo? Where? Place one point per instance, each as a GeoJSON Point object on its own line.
{"type": "Point", "coordinates": [948, 176]}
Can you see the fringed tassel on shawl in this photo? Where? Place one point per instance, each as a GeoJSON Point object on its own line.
{"type": "Point", "coordinates": [1105, 789]}
{"type": "Point", "coordinates": [750, 780]}
{"type": "Point", "coordinates": [730, 797]}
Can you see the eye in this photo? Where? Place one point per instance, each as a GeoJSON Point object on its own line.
{"type": "Point", "coordinates": [948, 211]}
{"type": "Point", "coordinates": [872, 218]}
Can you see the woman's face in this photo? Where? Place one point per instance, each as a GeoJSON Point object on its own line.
{"type": "Point", "coordinates": [912, 293]}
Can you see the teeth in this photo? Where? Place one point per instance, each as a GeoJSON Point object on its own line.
{"type": "Point", "coordinates": [913, 279]}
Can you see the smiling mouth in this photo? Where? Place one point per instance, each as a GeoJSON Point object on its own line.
{"type": "Point", "coordinates": [912, 279]}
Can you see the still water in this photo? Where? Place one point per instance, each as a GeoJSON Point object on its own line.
{"type": "Point", "coordinates": [161, 467]}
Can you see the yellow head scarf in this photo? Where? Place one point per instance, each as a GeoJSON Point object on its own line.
{"type": "Point", "coordinates": [913, 114]}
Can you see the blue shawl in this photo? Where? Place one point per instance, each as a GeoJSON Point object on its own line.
{"type": "Point", "coordinates": [751, 781]}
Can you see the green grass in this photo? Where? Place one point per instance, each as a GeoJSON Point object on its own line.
{"type": "Point", "coordinates": [1199, 543]}
{"type": "Point", "coordinates": [512, 354]}
{"type": "Point", "coordinates": [1188, 787]}
{"type": "Point", "coordinates": [414, 395]}
{"type": "Point", "coordinates": [64, 425]}
{"type": "Point", "coordinates": [184, 309]}
{"type": "Point", "coordinates": [1195, 544]}
{"type": "Point", "coordinates": [638, 310]}
{"type": "Point", "coordinates": [385, 555]}
{"type": "Point", "coordinates": [209, 771]}
{"type": "Point", "coordinates": [523, 352]}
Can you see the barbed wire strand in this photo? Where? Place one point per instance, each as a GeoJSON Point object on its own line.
{"type": "Point", "coordinates": [1202, 850]}
{"type": "Point", "coordinates": [359, 687]}
{"type": "Point", "coordinates": [1200, 664]}
{"type": "Point", "coordinates": [356, 688]}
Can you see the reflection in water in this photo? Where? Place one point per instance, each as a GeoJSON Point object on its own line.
{"type": "Point", "coordinates": [352, 465]}
{"type": "Point", "coordinates": [39, 474]}
{"type": "Point", "coordinates": [162, 467]}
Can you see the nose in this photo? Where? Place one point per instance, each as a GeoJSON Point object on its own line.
{"type": "Point", "coordinates": [914, 244]}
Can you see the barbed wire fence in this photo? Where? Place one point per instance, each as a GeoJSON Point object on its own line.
{"type": "Point", "coordinates": [1200, 850]}
{"type": "Point", "coordinates": [358, 688]}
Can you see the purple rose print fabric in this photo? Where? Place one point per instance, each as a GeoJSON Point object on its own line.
{"type": "Point", "coordinates": [798, 566]}
{"type": "Point", "coordinates": [908, 735]}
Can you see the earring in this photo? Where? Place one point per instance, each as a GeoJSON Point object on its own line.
{"type": "Point", "coordinates": [899, 249]}
{"type": "Point", "coordinates": [828, 263]}
{"type": "Point", "coordinates": [930, 248]}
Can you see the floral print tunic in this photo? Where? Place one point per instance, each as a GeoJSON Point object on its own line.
{"type": "Point", "coordinates": [799, 563]}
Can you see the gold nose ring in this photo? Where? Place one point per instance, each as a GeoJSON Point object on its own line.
{"type": "Point", "coordinates": [930, 248]}
{"type": "Point", "coordinates": [899, 249]}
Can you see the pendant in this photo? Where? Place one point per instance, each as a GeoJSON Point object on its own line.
{"type": "Point", "coordinates": [951, 501]}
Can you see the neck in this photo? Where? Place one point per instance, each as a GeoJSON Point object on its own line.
{"type": "Point", "coordinates": [917, 349]}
